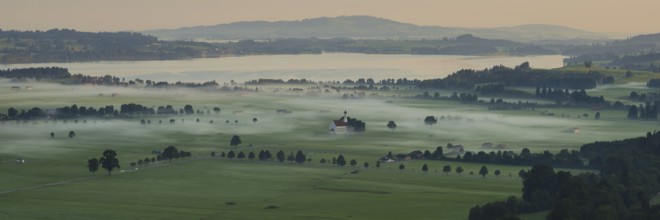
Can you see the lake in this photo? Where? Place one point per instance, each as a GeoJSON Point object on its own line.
{"type": "Point", "coordinates": [317, 67]}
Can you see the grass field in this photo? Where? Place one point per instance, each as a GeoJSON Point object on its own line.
{"type": "Point", "coordinates": [204, 188]}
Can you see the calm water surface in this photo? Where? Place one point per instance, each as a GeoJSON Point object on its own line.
{"type": "Point", "coordinates": [323, 67]}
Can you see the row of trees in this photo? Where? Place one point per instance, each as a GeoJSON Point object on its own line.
{"type": "Point", "coordinates": [125, 110]}
{"type": "Point", "coordinates": [649, 111]}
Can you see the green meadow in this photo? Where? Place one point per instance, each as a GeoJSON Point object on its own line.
{"type": "Point", "coordinates": [54, 181]}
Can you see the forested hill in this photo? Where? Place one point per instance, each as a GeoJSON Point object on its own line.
{"type": "Point", "coordinates": [64, 45]}
{"type": "Point", "coordinates": [365, 27]}
{"type": "Point", "coordinates": [521, 75]}
{"type": "Point", "coordinates": [635, 53]}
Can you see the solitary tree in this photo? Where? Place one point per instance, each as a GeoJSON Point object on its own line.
{"type": "Point", "coordinates": [446, 169]}
{"type": "Point", "coordinates": [483, 171]}
{"type": "Point", "coordinates": [366, 165]}
{"type": "Point", "coordinates": [377, 164]}
{"type": "Point", "coordinates": [497, 173]}
{"type": "Point", "coordinates": [254, 120]}
{"type": "Point", "coordinates": [280, 156]}
{"type": "Point", "coordinates": [425, 168]}
{"type": "Point", "coordinates": [72, 134]}
{"type": "Point", "coordinates": [341, 161]}
{"type": "Point", "coordinates": [109, 161]}
{"type": "Point", "coordinates": [212, 153]}
{"type": "Point", "coordinates": [353, 163]}
{"type": "Point", "coordinates": [170, 153]}
{"type": "Point", "coordinates": [235, 141]}
{"type": "Point", "coordinates": [322, 161]}
{"type": "Point", "coordinates": [459, 170]}
{"type": "Point", "coordinates": [430, 120]}
{"type": "Point", "coordinates": [251, 156]}
{"type": "Point", "coordinates": [241, 155]}
{"type": "Point", "coordinates": [597, 116]}
{"type": "Point", "coordinates": [52, 135]}
{"type": "Point", "coordinates": [391, 125]}
{"type": "Point", "coordinates": [402, 167]}
{"type": "Point", "coordinates": [93, 165]}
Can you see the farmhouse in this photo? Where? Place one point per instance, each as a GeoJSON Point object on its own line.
{"type": "Point", "coordinates": [574, 130]}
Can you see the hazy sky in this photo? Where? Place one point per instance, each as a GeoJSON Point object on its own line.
{"type": "Point", "coordinates": [630, 16]}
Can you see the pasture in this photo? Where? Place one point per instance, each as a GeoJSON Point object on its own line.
{"type": "Point", "coordinates": [201, 187]}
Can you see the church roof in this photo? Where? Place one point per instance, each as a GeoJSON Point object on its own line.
{"type": "Point", "coordinates": [340, 122]}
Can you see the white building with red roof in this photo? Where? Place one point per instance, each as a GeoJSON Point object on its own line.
{"type": "Point", "coordinates": [340, 126]}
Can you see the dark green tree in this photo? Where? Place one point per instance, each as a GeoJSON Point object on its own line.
{"type": "Point", "coordinates": [391, 125]}
{"type": "Point", "coordinates": [251, 156]}
{"type": "Point", "coordinates": [52, 135]}
{"type": "Point", "coordinates": [430, 120]}
{"type": "Point", "coordinates": [300, 157]}
{"type": "Point", "coordinates": [446, 169]}
{"type": "Point", "coordinates": [497, 173]}
{"type": "Point", "coordinates": [341, 161]}
{"type": "Point", "coordinates": [231, 154]}
{"type": "Point", "coordinates": [72, 134]}
{"type": "Point", "coordinates": [483, 171]}
{"type": "Point", "coordinates": [235, 141]}
{"type": "Point", "coordinates": [322, 161]}
{"type": "Point", "coordinates": [12, 113]}
{"type": "Point", "coordinates": [597, 116]}
{"type": "Point", "coordinates": [241, 155]}
{"type": "Point", "coordinates": [438, 153]}
{"type": "Point", "coordinates": [459, 170]}
{"type": "Point", "coordinates": [353, 163]}
{"type": "Point", "coordinates": [366, 165]}
{"type": "Point", "coordinates": [632, 112]}
{"type": "Point", "coordinates": [402, 167]}
{"type": "Point", "coordinates": [93, 165]}
{"type": "Point", "coordinates": [280, 156]}
{"type": "Point", "coordinates": [378, 164]}
{"type": "Point", "coordinates": [109, 161]}
{"type": "Point", "coordinates": [170, 153]}
{"type": "Point", "coordinates": [425, 168]}
{"type": "Point", "coordinates": [188, 109]}
{"type": "Point", "coordinates": [291, 158]}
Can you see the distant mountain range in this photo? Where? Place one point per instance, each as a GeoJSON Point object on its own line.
{"type": "Point", "coordinates": [367, 27]}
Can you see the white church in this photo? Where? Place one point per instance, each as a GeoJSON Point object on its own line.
{"type": "Point", "coordinates": [340, 126]}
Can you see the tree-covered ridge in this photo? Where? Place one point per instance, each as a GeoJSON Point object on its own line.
{"type": "Point", "coordinates": [623, 188]}
{"type": "Point", "coordinates": [521, 75]}
{"type": "Point", "coordinates": [65, 45]}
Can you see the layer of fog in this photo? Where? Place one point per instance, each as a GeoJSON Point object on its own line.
{"type": "Point", "coordinates": [308, 121]}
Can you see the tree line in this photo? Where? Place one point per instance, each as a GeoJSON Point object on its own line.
{"type": "Point", "coordinates": [125, 110]}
